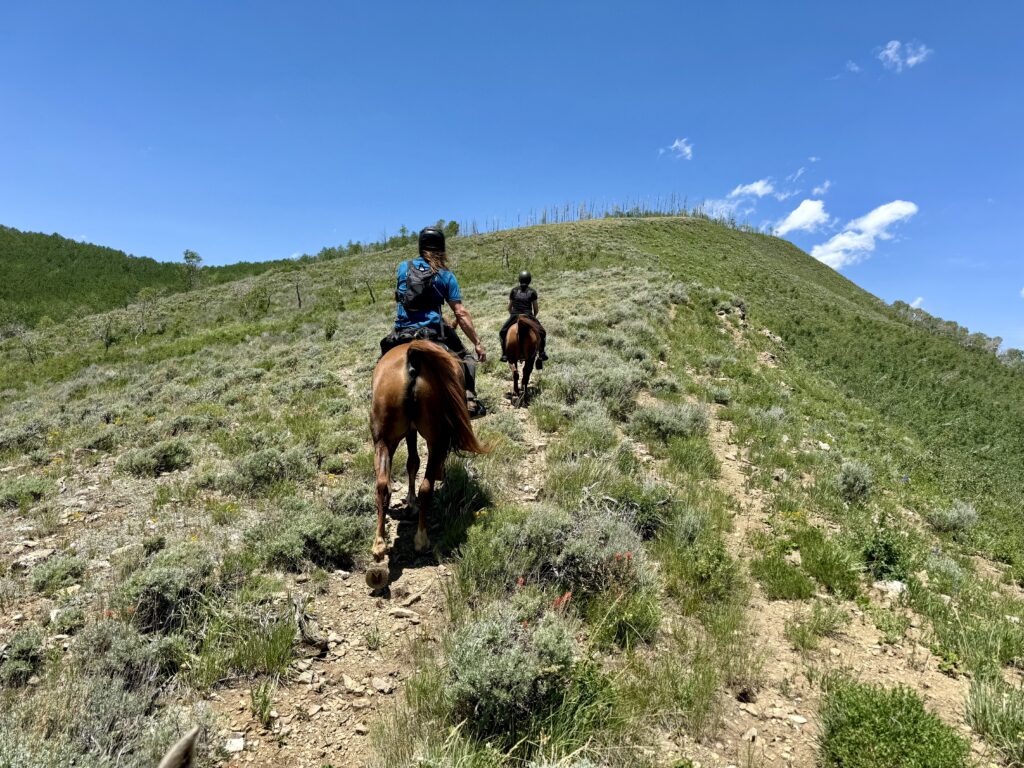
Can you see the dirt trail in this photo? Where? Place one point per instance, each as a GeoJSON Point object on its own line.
{"type": "Point", "coordinates": [324, 709]}
{"type": "Point", "coordinates": [779, 728]}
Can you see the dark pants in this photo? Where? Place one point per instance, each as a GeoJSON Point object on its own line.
{"type": "Point", "coordinates": [512, 319]}
{"type": "Point", "coordinates": [446, 338]}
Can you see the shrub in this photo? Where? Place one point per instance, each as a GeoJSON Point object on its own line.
{"type": "Point", "coordinates": [889, 554]}
{"type": "Point", "coordinates": [69, 621]}
{"type": "Point", "coordinates": [24, 656]}
{"type": "Point", "coordinates": [854, 481]}
{"type": "Point", "coordinates": [720, 395]}
{"type": "Point", "coordinates": [959, 517]}
{"type": "Point", "coordinates": [261, 469]}
{"type": "Point", "coordinates": [779, 579]}
{"type": "Point", "coordinates": [660, 423]}
{"type": "Point", "coordinates": [503, 673]}
{"type": "Point", "coordinates": [828, 562]}
{"type": "Point", "coordinates": [116, 651]}
{"type": "Point", "coordinates": [996, 711]}
{"type": "Point", "coordinates": [166, 456]}
{"type": "Point", "coordinates": [585, 552]}
{"type": "Point", "coordinates": [56, 573]}
{"type": "Point", "coordinates": [870, 726]}
{"type": "Point", "coordinates": [164, 595]}
{"type": "Point", "coordinates": [21, 492]}
{"type": "Point", "coordinates": [305, 533]}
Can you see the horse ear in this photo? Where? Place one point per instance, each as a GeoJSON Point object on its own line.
{"type": "Point", "coordinates": [181, 754]}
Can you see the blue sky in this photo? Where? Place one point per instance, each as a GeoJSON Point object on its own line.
{"type": "Point", "coordinates": [257, 130]}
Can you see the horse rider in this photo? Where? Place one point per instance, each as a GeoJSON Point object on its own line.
{"type": "Point", "coordinates": [523, 301]}
{"type": "Point", "coordinates": [425, 284]}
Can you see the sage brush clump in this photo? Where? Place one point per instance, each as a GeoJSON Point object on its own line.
{"type": "Point", "coordinates": [663, 422]}
{"type": "Point", "coordinates": [503, 673]}
{"type": "Point", "coordinates": [163, 595]}
{"type": "Point", "coordinates": [23, 657]}
{"type": "Point", "coordinates": [958, 517]}
{"type": "Point", "coordinates": [166, 456]}
{"type": "Point", "coordinates": [854, 481]}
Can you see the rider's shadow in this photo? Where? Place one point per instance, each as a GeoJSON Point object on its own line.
{"type": "Point", "coordinates": [457, 501]}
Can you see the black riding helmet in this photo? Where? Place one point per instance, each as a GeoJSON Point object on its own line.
{"type": "Point", "coordinates": [525, 277]}
{"type": "Point", "coordinates": [431, 239]}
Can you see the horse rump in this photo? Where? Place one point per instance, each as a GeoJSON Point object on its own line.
{"type": "Point", "coordinates": [423, 356]}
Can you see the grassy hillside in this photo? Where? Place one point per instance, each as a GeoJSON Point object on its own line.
{"type": "Point", "coordinates": [747, 495]}
{"type": "Point", "coordinates": [52, 276]}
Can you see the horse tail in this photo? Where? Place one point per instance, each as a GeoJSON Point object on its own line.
{"type": "Point", "coordinates": [427, 356]}
{"type": "Point", "coordinates": [527, 327]}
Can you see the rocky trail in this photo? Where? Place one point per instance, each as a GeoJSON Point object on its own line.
{"type": "Point", "coordinates": [776, 725]}
{"type": "Point", "coordinates": [323, 711]}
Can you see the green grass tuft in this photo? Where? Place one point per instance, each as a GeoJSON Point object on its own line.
{"type": "Point", "coordinates": [869, 726]}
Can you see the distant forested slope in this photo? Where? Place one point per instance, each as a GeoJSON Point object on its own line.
{"type": "Point", "coordinates": [53, 276]}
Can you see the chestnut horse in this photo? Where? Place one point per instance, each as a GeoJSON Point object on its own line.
{"type": "Point", "coordinates": [418, 388]}
{"type": "Point", "coordinates": [521, 345]}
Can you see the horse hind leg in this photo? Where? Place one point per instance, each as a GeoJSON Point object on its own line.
{"type": "Point", "coordinates": [433, 473]}
{"type": "Point", "coordinates": [527, 370]}
{"type": "Point", "coordinates": [412, 466]}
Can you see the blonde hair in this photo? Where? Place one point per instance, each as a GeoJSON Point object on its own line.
{"type": "Point", "coordinates": [437, 260]}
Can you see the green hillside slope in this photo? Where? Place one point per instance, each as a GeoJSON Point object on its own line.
{"type": "Point", "coordinates": [741, 477]}
{"type": "Point", "coordinates": [52, 276]}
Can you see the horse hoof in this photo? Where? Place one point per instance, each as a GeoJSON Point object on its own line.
{"type": "Point", "coordinates": [377, 577]}
{"type": "Point", "coordinates": [421, 543]}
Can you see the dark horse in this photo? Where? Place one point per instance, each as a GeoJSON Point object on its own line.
{"type": "Point", "coordinates": [418, 388]}
{"type": "Point", "coordinates": [521, 346]}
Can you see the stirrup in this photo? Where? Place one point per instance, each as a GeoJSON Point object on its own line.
{"type": "Point", "coordinates": [475, 406]}
{"type": "Point", "coordinates": [504, 357]}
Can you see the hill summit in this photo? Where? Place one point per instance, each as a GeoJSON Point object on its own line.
{"type": "Point", "coordinates": [753, 516]}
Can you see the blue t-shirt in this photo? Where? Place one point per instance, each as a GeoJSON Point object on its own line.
{"type": "Point", "coordinates": [446, 288]}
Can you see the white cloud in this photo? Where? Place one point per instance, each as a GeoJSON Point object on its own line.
{"type": "Point", "coordinates": [857, 239]}
{"type": "Point", "coordinates": [807, 216]}
{"type": "Point", "coordinates": [796, 174]}
{"type": "Point", "coordinates": [680, 148]}
{"type": "Point", "coordinates": [916, 303]}
{"type": "Point", "coordinates": [785, 195]}
{"type": "Point", "coordinates": [1022, 293]}
{"type": "Point", "coordinates": [896, 55]}
{"type": "Point", "coordinates": [822, 188]}
{"type": "Point", "coordinates": [852, 66]}
{"type": "Point", "coordinates": [760, 188]}
{"type": "Point", "coordinates": [916, 53]}
{"type": "Point", "coordinates": [720, 209]}
{"type": "Point", "coordinates": [814, 158]}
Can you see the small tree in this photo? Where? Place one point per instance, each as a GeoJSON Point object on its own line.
{"type": "Point", "coordinates": [144, 301]}
{"type": "Point", "coordinates": [193, 261]}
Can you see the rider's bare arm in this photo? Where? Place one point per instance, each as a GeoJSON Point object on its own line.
{"type": "Point", "coordinates": [465, 322]}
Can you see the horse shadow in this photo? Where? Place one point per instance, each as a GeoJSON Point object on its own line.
{"type": "Point", "coordinates": [457, 500]}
